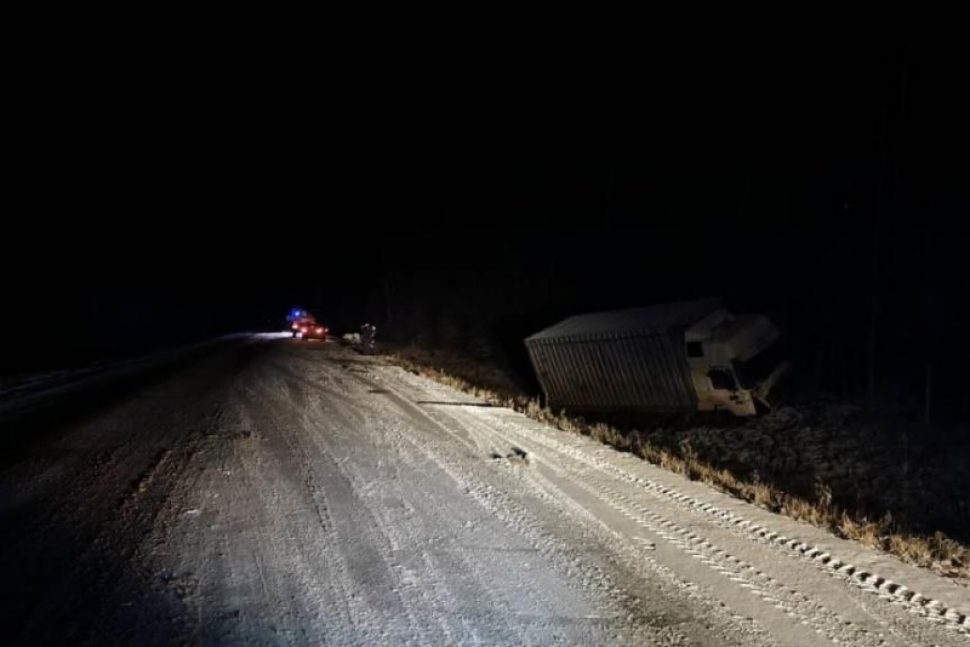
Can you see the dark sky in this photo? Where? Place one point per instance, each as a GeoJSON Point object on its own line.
{"type": "Point", "coordinates": [766, 172]}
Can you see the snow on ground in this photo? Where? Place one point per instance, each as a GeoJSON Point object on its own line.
{"type": "Point", "coordinates": [285, 493]}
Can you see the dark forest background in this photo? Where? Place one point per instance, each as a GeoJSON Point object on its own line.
{"type": "Point", "coordinates": [824, 184]}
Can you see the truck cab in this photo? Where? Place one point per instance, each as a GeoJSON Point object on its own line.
{"type": "Point", "coordinates": [733, 362]}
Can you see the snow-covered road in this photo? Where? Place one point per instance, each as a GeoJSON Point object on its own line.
{"type": "Point", "coordinates": [286, 493]}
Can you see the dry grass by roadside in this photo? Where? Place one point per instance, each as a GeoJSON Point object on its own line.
{"type": "Point", "coordinates": [934, 551]}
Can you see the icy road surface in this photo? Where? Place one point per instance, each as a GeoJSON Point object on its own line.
{"type": "Point", "coordinates": [286, 493]}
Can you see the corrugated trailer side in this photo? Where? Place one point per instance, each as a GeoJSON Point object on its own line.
{"type": "Point", "coordinates": [628, 371]}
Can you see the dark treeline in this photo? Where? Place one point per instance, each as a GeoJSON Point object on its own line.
{"type": "Point", "coordinates": [818, 286]}
{"type": "Point", "coordinates": [834, 202]}
{"type": "Point", "coordinates": [823, 185]}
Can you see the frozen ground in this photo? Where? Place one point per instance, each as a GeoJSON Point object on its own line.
{"type": "Point", "coordinates": [292, 493]}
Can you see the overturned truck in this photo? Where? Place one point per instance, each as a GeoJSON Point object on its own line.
{"type": "Point", "coordinates": [669, 358]}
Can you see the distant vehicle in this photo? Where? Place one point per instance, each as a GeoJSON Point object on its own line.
{"type": "Point", "coordinates": [300, 321]}
{"type": "Point", "coordinates": [674, 357]}
{"type": "Point", "coordinates": [301, 325]}
{"type": "Point", "coordinates": [314, 331]}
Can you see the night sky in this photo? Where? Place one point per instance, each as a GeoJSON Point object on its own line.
{"type": "Point", "coordinates": [806, 180]}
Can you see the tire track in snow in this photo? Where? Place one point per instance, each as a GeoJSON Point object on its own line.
{"type": "Point", "coordinates": [271, 416]}
{"type": "Point", "coordinates": [435, 453]}
{"type": "Point", "coordinates": [514, 434]}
